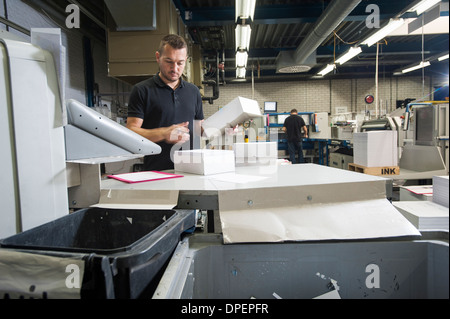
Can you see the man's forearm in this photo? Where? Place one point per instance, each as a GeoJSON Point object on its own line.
{"type": "Point", "coordinates": [155, 135]}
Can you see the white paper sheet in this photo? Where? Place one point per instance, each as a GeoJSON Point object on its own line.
{"type": "Point", "coordinates": [332, 221]}
{"type": "Point", "coordinates": [139, 177]}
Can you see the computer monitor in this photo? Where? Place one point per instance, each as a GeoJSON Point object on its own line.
{"type": "Point", "coordinates": [270, 107]}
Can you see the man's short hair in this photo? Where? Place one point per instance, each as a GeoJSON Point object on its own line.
{"type": "Point", "coordinates": [294, 111]}
{"type": "Point", "coordinates": [175, 41]}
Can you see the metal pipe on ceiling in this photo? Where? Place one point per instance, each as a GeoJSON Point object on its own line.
{"type": "Point", "coordinates": [333, 15]}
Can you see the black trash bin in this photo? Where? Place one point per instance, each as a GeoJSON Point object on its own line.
{"type": "Point", "coordinates": [136, 244]}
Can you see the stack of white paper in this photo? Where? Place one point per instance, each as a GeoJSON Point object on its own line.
{"type": "Point", "coordinates": [204, 161]}
{"type": "Point", "coordinates": [375, 148]}
{"type": "Point", "coordinates": [440, 190]}
{"type": "Point", "coordinates": [424, 214]}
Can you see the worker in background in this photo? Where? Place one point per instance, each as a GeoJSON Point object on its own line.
{"type": "Point", "coordinates": [293, 126]}
{"type": "Point", "coordinates": [163, 108]}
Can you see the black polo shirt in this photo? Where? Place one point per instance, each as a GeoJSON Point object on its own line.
{"type": "Point", "coordinates": [161, 106]}
{"type": "Point", "coordinates": [294, 124]}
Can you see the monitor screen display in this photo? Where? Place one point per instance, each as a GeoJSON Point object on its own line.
{"type": "Point", "coordinates": [270, 107]}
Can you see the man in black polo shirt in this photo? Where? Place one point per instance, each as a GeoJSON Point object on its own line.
{"type": "Point", "coordinates": [164, 107]}
{"type": "Point", "coordinates": [293, 126]}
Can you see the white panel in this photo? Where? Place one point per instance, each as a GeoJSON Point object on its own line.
{"type": "Point", "coordinates": [8, 196]}
{"type": "Point", "coordinates": [38, 133]}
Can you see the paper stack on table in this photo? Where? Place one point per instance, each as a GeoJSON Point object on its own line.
{"type": "Point", "coordinates": [375, 148]}
{"type": "Point", "coordinates": [440, 190]}
{"type": "Point", "coordinates": [424, 214]}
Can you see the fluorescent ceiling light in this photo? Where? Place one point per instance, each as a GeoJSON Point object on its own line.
{"type": "Point", "coordinates": [349, 55]}
{"type": "Point", "coordinates": [419, 66]}
{"type": "Point", "coordinates": [437, 26]}
{"type": "Point", "coordinates": [245, 9]}
{"type": "Point", "coordinates": [382, 33]}
{"type": "Point", "coordinates": [327, 69]}
{"type": "Point", "coordinates": [243, 33]}
{"type": "Point", "coordinates": [241, 59]}
{"type": "Point", "coordinates": [240, 73]}
{"type": "Point", "coordinates": [423, 6]}
{"type": "Point", "coordinates": [444, 57]}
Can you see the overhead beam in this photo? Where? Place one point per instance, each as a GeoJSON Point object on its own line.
{"type": "Point", "coordinates": [438, 45]}
{"type": "Point", "coordinates": [280, 14]}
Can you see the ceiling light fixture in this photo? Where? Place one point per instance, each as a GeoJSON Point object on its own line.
{"type": "Point", "coordinates": [351, 53]}
{"type": "Point", "coordinates": [243, 33]}
{"type": "Point", "coordinates": [241, 59]}
{"type": "Point", "coordinates": [382, 33]}
{"type": "Point", "coordinates": [423, 6]}
{"type": "Point", "coordinates": [327, 69]}
{"type": "Point", "coordinates": [416, 67]}
{"type": "Point", "coordinates": [240, 72]}
{"type": "Point", "coordinates": [245, 9]}
{"type": "Point", "coordinates": [444, 57]}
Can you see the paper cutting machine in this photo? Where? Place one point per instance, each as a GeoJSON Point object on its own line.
{"type": "Point", "coordinates": [38, 139]}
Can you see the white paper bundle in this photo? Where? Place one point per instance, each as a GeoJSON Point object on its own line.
{"type": "Point", "coordinates": [424, 214]}
{"type": "Point", "coordinates": [375, 148]}
{"type": "Point", "coordinates": [440, 190]}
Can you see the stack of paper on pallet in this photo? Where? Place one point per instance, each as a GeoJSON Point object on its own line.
{"type": "Point", "coordinates": [424, 214]}
{"type": "Point", "coordinates": [440, 190]}
{"type": "Point", "coordinates": [375, 148]}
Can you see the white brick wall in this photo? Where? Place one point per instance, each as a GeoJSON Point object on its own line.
{"type": "Point", "coordinates": [314, 95]}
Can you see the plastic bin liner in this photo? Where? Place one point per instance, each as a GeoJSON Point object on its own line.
{"type": "Point", "coordinates": [26, 275]}
{"type": "Point", "coordinates": [136, 243]}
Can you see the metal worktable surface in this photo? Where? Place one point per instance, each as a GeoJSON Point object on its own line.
{"type": "Point", "coordinates": [271, 176]}
{"type": "Point", "coordinates": [274, 203]}
{"type": "Point", "coordinates": [200, 192]}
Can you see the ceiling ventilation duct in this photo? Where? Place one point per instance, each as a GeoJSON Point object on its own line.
{"type": "Point", "coordinates": [133, 15]}
{"type": "Point", "coordinates": [286, 63]}
{"type": "Point", "coordinates": [300, 60]}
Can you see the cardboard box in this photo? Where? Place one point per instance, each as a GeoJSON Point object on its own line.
{"type": "Point", "coordinates": [375, 148]}
{"type": "Point", "coordinates": [256, 153]}
{"type": "Point", "coordinates": [374, 170]}
{"type": "Point", "coordinates": [204, 161]}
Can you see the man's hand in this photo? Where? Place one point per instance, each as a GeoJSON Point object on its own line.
{"type": "Point", "coordinates": [177, 133]}
{"type": "Point", "coordinates": [173, 134]}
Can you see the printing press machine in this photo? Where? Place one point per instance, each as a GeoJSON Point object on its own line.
{"type": "Point", "coordinates": [422, 139]}
{"type": "Point", "coordinates": [315, 226]}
